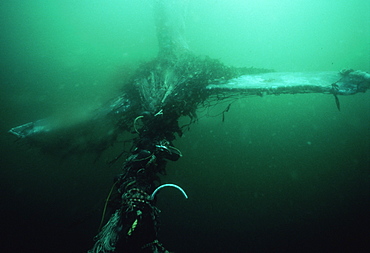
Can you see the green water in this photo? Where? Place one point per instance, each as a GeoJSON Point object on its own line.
{"type": "Point", "coordinates": [280, 174]}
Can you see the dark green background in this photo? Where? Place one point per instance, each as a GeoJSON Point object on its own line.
{"type": "Point", "coordinates": [281, 174]}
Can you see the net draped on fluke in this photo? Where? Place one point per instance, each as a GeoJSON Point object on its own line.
{"type": "Point", "coordinates": [175, 84]}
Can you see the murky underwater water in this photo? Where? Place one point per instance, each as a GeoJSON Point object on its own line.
{"type": "Point", "coordinates": [280, 174]}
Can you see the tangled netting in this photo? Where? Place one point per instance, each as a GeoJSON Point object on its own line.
{"type": "Point", "coordinates": [159, 93]}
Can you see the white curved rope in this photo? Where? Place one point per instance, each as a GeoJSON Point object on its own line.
{"type": "Point", "coordinates": [136, 119]}
{"type": "Point", "coordinates": [169, 185]}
